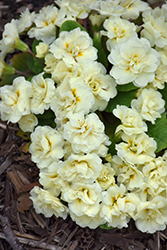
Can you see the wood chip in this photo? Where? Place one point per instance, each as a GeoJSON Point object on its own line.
{"type": "Point", "coordinates": [38, 219]}
{"type": "Point", "coordinates": [32, 243]}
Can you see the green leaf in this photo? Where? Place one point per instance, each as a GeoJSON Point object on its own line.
{"type": "Point", "coordinates": [102, 56]}
{"type": "Point", "coordinates": [71, 25]}
{"type": "Point", "coordinates": [26, 63]}
{"type": "Point", "coordinates": [121, 99]}
{"type": "Point", "coordinates": [34, 65]}
{"type": "Point", "coordinates": [104, 226]}
{"type": "Point", "coordinates": [47, 118]}
{"type": "Point", "coordinates": [47, 75]}
{"type": "Point", "coordinates": [164, 94]}
{"type": "Point", "coordinates": [159, 132]}
{"type": "Point", "coordinates": [35, 43]}
{"type": "Point", "coordinates": [126, 87]}
{"type": "Point", "coordinates": [111, 148]}
{"type": "Point", "coordinates": [7, 79]}
{"type": "Point", "coordinates": [30, 78]}
{"type": "Point", "coordinates": [139, 20]}
{"type": "Point", "coordinates": [110, 122]}
{"type": "Point", "coordinates": [20, 62]}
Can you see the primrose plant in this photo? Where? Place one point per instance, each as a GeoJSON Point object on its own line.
{"type": "Point", "coordinates": [93, 99]}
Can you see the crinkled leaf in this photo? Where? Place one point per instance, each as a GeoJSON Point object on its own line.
{"type": "Point", "coordinates": [121, 99]}
{"type": "Point", "coordinates": [126, 87]}
{"type": "Point", "coordinates": [47, 118]}
{"type": "Point", "coordinates": [24, 135]}
{"type": "Point", "coordinates": [102, 56]}
{"type": "Point", "coordinates": [104, 226]}
{"type": "Point", "coordinates": [71, 25]}
{"type": "Point", "coordinates": [159, 132]}
{"type": "Point", "coordinates": [24, 203]}
{"type": "Point", "coordinates": [164, 94]}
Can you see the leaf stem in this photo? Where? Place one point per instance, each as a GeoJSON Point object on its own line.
{"type": "Point", "coordinates": [22, 73]}
{"type": "Point", "coordinates": [30, 51]}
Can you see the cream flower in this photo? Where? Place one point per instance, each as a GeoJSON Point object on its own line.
{"type": "Point", "coordinates": [102, 150]}
{"type": "Point", "coordinates": [51, 63]}
{"type": "Point", "coordinates": [46, 146]}
{"type": "Point", "coordinates": [84, 134]}
{"type": "Point", "coordinates": [160, 76]}
{"type": "Point", "coordinates": [42, 50]}
{"type": "Point", "coordinates": [43, 92]}
{"type": "Point", "coordinates": [106, 177]}
{"type": "Point", "coordinates": [133, 200]}
{"type": "Point", "coordinates": [155, 173]}
{"type": "Point", "coordinates": [96, 19]}
{"type": "Point", "coordinates": [152, 215]}
{"type": "Point", "coordinates": [67, 11]}
{"type": "Point", "coordinates": [136, 148]}
{"type": "Point", "coordinates": [161, 72]}
{"type": "Point", "coordinates": [73, 9]}
{"type": "Point", "coordinates": [87, 221]}
{"type": "Point", "coordinates": [11, 39]}
{"type": "Point", "coordinates": [8, 36]}
{"type": "Point", "coordinates": [114, 207]}
{"type": "Point", "coordinates": [131, 120]}
{"type": "Point", "coordinates": [61, 70]}
{"type": "Point", "coordinates": [132, 8]}
{"type": "Point", "coordinates": [146, 191]}
{"type": "Point", "coordinates": [80, 168]}
{"type": "Point", "coordinates": [45, 22]}
{"type": "Point", "coordinates": [118, 30]}
{"type": "Point", "coordinates": [128, 174]}
{"type": "Point", "coordinates": [107, 8]}
{"type": "Point", "coordinates": [5, 49]}
{"type": "Point", "coordinates": [83, 198]}
{"type": "Point", "coordinates": [134, 61]}
{"type": "Point", "coordinates": [15, 100]}
{"type": "Point", "coordinates": [71, 97]}
{"type": "Point", "coordinates": [72, 46]}
{"type": "Point", "coordinates": [103, 86]}
{"type": "Point", "coordinates": [149, 104]}
{"type": "Point", "coordinates": [163, 53]}
{"type": "Point", "coordinates": [155, 25]}
{"type": "Point", "coordinates": [51, 180]}
{"type": "Point", "coordinates": [68, 150]}
{"type": "Point", "coordinates": [25, 20]}
{"type": "Point", "coordinates": [27, 123]}
{"type": "Point", "coordinates": [46, 203]}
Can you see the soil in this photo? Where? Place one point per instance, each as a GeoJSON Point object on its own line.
{"type": "Point", "coordinates": [20, 226]}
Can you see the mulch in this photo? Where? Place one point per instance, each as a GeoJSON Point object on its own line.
{"type": "Point", "coordinates": [20, 226]}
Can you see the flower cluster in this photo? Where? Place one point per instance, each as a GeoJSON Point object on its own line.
{"type": "Point", "coordinates": [97, 167]}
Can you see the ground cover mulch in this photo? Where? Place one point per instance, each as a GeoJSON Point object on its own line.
{"type": "Point", "coordinates": [20, 226]}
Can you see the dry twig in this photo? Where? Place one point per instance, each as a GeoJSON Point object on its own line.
{"type": "Point", "coordinates": [32, 243]}
{"type": "Point", "coordinates": [9, 234]}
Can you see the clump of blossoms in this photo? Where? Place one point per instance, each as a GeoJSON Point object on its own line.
{"type": "Point", "coordinates": [93, 100]}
